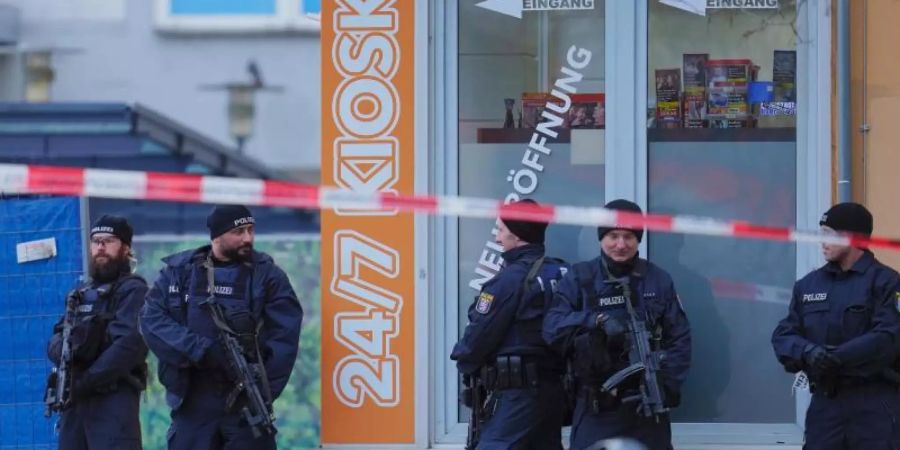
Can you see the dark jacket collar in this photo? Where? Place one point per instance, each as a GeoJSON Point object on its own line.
{"type": "Point", "coordinates": [531, 251]}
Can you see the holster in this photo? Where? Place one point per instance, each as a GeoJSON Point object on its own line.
{"type": "Point", "coordinates": [511, 372]}
{"type": "Point", "coordinates": [599, 401]}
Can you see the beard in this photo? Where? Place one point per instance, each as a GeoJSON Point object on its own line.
{"type": "Point", "coordinates": [110, 268]}
{"type": "Point", "coordinates": [242, 254]}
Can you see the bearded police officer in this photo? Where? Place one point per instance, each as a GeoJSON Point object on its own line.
{"type": "Point", "coordinates": [596, 319]}
{"type": "Point", "coordinates": [503, 347]}
{"type": "Point", "coordinates": [256, 300]}
{"type": "Point", "coordinates": [107, 351]}
{"type": "Point", "coordinates": [841, 330]}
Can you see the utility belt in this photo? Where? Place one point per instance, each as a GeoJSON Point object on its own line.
{"type": "Point", "coordinates": [126, 382]}
{"type": "Point", "coordinates": [214, 382]}
{"type": "Point", "coordinates": [831, 387]}
{"type": "Point", "coordinates": [135, 379]}
{"type": "Point", "coordinates": [516, 372]}
{"type": "Point", "coordinates": [212, 378]}
{"type": "Point", "coordinates": [130, 382]}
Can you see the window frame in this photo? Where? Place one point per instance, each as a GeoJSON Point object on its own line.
{"type": "Point", "coordinates": [446, 430]}
{"type": "Point", "coordinates": [625, 86]}
{"type": "Point", "coordinates": [288, 17]}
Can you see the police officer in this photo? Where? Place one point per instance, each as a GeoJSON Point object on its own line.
{"type": "Point", "coordinates": [502, 344]}
{"type": "Point", "coordinates": [589, 321]}
{"type": "Point", "coordinates": [841, 330]}
{"type": "Point", "coordinates": [109, 368]}
{"type": "Point", "coordinates": [254, 294]}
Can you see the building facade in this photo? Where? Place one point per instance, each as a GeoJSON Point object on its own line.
{"type": "Point", "coordinates": [723, 111]}
{"type": "Point", "coordinates": [178, 57]}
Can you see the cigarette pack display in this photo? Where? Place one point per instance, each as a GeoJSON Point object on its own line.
{"type": "Point", "coordinates": [727, 82]}
{"type": "Point", "coordinates": [668, 98]}
{"type": "Point", "coordinates": [587, 111]}
{"type": "Point", "coordinates": [784, 75]}
{"type": "Point", "coordinates": [694, 110]}
{"type": "Point", "coordinates": [533, 105]}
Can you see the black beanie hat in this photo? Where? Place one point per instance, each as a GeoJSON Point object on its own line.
{"type": "Point", "coordinates": [528, 231]}
{"type": "Point", "coordinates": [224, 218]}
{"type": "Point", "coordinates": [848, 217]}
{"type": "Point", "coordinates": [621, 205]}
{"type": "Point", "coordinates": [114, 225]}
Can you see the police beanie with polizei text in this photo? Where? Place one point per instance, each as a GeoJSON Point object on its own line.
{"type": "Point", "coordinates": [224, 218]}
{"type": "Point", "coordinates": [114, 225]}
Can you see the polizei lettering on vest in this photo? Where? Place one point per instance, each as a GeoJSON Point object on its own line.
{"type": "Point", "coordinates": [223, 290]}
{"type": "Point", "coordinates": [813, 298]}
{"type": "Point", "coordinates": [612, 301]}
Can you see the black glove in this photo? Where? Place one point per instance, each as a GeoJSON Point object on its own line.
{"type": "Point", "coordinates": [792, 366]}
{"type": "Point", "coordinates": [87, 339]}
{"type": "Point", "coordinates": [672, 397]}
{"type": "Point", "coordinates": [81, 389]}
{"type": "Point", "coordinates": [466, 397]}
{"type": "Point", "coordinates": [215, 359]}
{"type": "Point", "coordinates": [54, 349]}
{"type": "Point", "coordinates": [86, 385]}
{"type": "Point", "coordinates": [614, 328]}
{"type": "Point", "coordinates": [591, 355]}
{"type": "Point", "coordinates": [819, 359]}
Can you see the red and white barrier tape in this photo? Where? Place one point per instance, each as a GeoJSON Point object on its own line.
{"type": "Point", "coordinates": [17, 178]}
{"type": "Point", "coordinates": [738, 290]}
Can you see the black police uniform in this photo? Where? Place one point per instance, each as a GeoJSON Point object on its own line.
{"type": "Point", "coordinates": [108, 358]}
{"type": "Point", "coordinates": [109, 367]}
{"type": "Point", "coordinates": [853, 315]}
{"type": "Point", "coordinates": [597, 351]}
{"type": "Point", "coordinates": [571, 326]}
{"type": "Point", "coordinates": [503, 344]}
{"type": "Point", "coordinates": [178, 327]}
{"type": "Point", "coordinates": [842, 329]}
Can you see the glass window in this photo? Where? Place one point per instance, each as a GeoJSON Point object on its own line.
{"type": "Point", "coordinates": [214, 7]}
{"type": "Point", "coordinates": [531, 124]}
{"type": "Point", "coordinates": [311, 7]}
{"type": "Point", "coordinates": [722, 143]}
{"type": "Point", "coordinates": [216, 16]}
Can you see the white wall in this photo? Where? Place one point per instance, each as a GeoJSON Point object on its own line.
{"type": "Point", "coordinates": [124, 59]}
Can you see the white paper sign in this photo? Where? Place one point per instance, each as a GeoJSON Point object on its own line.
{"type": "Point", "coordinates": [35, 250]}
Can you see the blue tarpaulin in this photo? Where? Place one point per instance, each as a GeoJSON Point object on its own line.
{"type": "Point", "coordinates": [31, 300]}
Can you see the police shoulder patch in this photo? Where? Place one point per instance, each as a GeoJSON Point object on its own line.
{"type": "Point", "coordinates": [897, 300]}
{"type": "Point", "coordinates": [485, 301]}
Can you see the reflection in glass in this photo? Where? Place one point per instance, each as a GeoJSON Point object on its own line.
{"type": "Point", "coordinates": [721, 144]}
{"type": "Point", "coordinates": [531, 122]}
